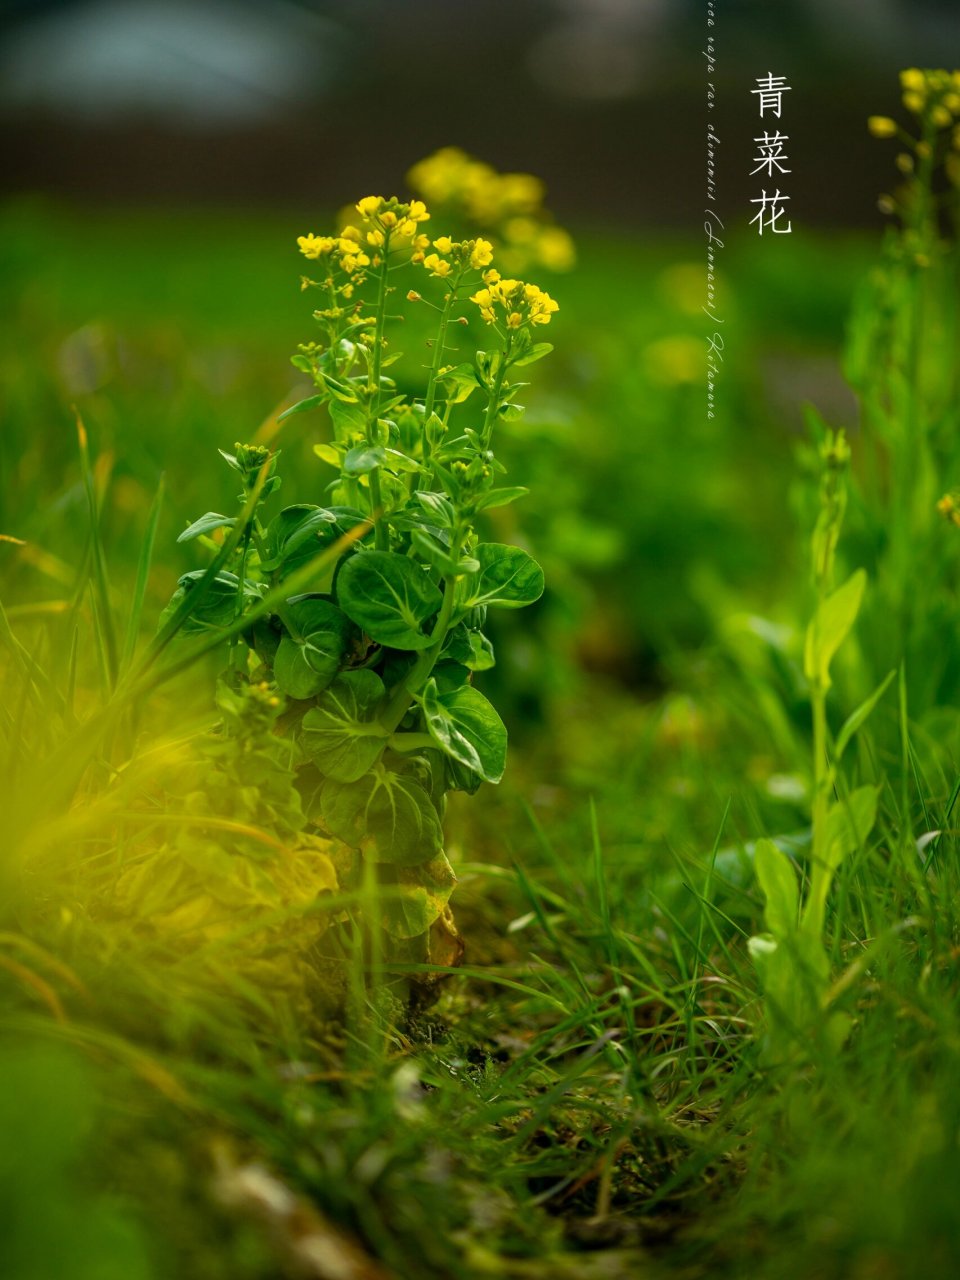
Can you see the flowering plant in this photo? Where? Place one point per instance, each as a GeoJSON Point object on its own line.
{"type": "Point", "coordinates": [367, 613]}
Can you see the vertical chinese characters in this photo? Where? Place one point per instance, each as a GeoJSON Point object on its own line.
{"type": "Point", "coordinates": [771, 156]}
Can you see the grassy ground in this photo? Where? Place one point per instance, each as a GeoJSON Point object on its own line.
{"type": "Point", "coordinates": [594, 1093]}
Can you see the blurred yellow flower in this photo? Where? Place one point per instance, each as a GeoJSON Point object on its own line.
{"type": "Point", "coordinates": [882, 126]}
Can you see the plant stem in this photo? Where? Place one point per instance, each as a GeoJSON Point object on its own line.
{"type": "Point", "coordinates": [440, 345]}
{"type": "Point", "coordinates": [381, 537]}
{"type": "Point", "coordinates": [493, 403]}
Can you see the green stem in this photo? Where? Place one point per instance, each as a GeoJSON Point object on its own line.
{"type": "Point", "coordinates": [821, 801]}
{"type": "Point", "coordinates": [237, 642]}
{"type": "Point", "coordinates": [381, 537]}
{"type": "Point", "coordinates": [440, 345]}
{"type": "Point", "coordinates": [493, 403]}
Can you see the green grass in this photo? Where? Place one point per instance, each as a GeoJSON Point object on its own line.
{"type": "Point", "coordinates": [588, 1095]}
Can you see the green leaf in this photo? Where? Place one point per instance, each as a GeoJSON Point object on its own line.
{"type": "Point", "coordinates": [508, 577]}
{"type": "Point", "coordinates": [431, 550]}
{"type": "Point", "coordinates": [301, 406]}
{"type": "Point", "coordinates": [343, 391]}
{"type": "Point", "coordinates": [301, 532]}
{"type": "Point", "coordinates": [389, 596]}
{"type": "Point", "coordinates": [439, 507]}
{"type": "Point", "coordinates": [387, 815]}
{"type": "Point", "coordinates": [465, 725]}
{"type": "Point", "coordinates": [536, 352]}
{"type": "Point", "coordinates": [397, 462]}
{"type": "Point", "coordinates": [310, 655]}
{"type": "Point", "coordinates": [415, 896]}
{"type": "Point", "coordinates": [830, 627]}
{"type": "Point", "coordinates": [856, 719]}
{"type": "Point", "coordinates": [778, 880]}
{"type": "Point", "coordinates": [331, 454]}
{"type": "Point", "coordinates": [347, 418]}
{"type": "Point", "coordinates": [363, 459]}
{"type": "Point", "coordinates": [218, 606]}
{"type": "Point", "coordinates": [206, 524]}
{"type": "Point", "coordinates": [470, 648]}
{"type": "Point", "coordinates": [462, 381]}
{"type": "Point", "coordinates": [848, 824]}
{"type": "Point", "coordinates": [500, 497]}
{"type": "Point", "coordinates": [341, 734]}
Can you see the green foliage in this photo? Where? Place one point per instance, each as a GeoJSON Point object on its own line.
{"type": "Point", "coordinates": [378, 656]}
{"type": "Point", "coordinates": [390, 597]}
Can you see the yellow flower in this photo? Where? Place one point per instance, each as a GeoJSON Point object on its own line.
{"type": "Point", "coordinates": [419, 247]}
{"type": "Point", "coordinates": [522, 303]}
{"type": "Point", "coordinates": [351, 233]}
{"type": "Point", "coordinates": [882, 126]}
{"type": "Point", "coordinates": [541, 305]}
{"type": "Point", "coordinates": [388, 219]}
{"type": "Point", "coordinates": [555, 249]}
{"type": "Point", "coordinates": [482, 254]}
{"type": "Point", "coordinates": [352, 262]}
{"type": "Point", "coordinates": [369, 205]}
{"type": "Point", "coordinates": [443, 243]}
{"type": "Point", "coordinates": [521, 230]}
{"type": "Point", "coordinates": [375, 238]}
{"type": "Point", "coordinates": [436, 265]}
{"type": "Point", "coordinates": [418, 211]}
{"type": "Point", "coordinates": [520, 191]}
{"type": "Point", "coordinates": [941, 117]}
{"type": "Point", "coordinates": [914, 102]}
{"type": "Point", "coordinates": [312, 246]}
{"type": "Point", "coordinates": [913, 79]}
{"type": "Point", "coordinates": [491, 276]}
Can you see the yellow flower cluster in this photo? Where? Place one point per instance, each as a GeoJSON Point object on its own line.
{"type": "Point", "coordinates": [453, 254]}
{"type": "Point", "coordinates": [511, 204]}
{"type": "Point", "coordinates": [519, 304]}
{"type": "Point", "coordinates": [389, 218]}
{"type": "Point", "coordinates": [351, 256]}
{"type": "Point", "coordinates": [932, 93]}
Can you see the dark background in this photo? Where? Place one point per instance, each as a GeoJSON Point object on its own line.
{"type": "Point", "coordinates": [290, 103]}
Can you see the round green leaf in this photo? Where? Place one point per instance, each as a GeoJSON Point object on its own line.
{"type": "Point", "coordinates": [389, 597]}
{"type": "Point", "coordinates": [387, 815]}
{"type": "Point", "coordinates": [341, 734]}
{"type": "Point", "coordinates": [507, 577]}
{"type": "Point", "coordinates": [311, 653]}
